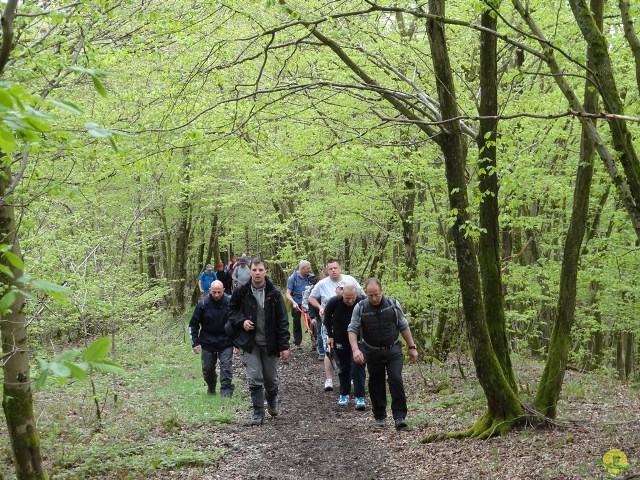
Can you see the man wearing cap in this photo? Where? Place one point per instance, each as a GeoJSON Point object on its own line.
{"type": "Point", "coordinates": [242, 273]}
{"type": "Point", "coordinates": [205, 280]}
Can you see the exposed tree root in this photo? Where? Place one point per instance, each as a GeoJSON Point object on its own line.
{"type": "Point", "coordinates": [485, 427]}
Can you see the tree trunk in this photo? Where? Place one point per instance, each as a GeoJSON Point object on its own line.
{"type": "Point", "coordinates": [503, 406]}
{"type": "Point", "coordinates": [182, 242]}
{"type": "Point", "coordinates": [17, 401]}
{"type": "Point", "coordinates": [553, 375]}
{"type": "Point", "coordinates": [622, 355]}
{"type": "Point", "coordinates": [489, 246]}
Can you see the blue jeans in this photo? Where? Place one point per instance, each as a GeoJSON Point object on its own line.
{"type": "Point", "coordinates": [319, 330]}
{"type": "Point", "coordinates": [350, 370]}
{"type": "Point", "coordinates": [381, 364]}
{"type": "Point", "coordinates": [209, 359]}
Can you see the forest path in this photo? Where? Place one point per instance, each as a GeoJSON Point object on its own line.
{"type": "Point", "coordinates": [314, 439]}
{"type": "Point", "coordinates": [311, 437]}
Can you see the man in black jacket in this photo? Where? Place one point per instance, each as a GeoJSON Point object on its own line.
{"type": "Point", "coordinates": [259, 317]}
{"type": "Point", "coordinates": [337, 316]}
{"type": "Point", "coordinates": [209, 339]}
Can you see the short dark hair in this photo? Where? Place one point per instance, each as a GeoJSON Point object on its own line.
{"type": "Point", "coordinates": [257, 261]}
{"type": "Point", "coordinates": [375, 280]}
{"type": "Point", "coordinates": [332, 260]}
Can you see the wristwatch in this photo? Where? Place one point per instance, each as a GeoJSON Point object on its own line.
{"type": "Point", "coordinates": [412, 347]}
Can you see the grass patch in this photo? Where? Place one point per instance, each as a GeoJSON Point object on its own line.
{"type": "Point", "coordinates": [153, 418]}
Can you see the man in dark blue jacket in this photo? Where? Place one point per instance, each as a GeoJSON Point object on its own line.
{"type": "Point", "coordinates": [209, 339]}
{"type": "Point", "coordinates": [259, 317]}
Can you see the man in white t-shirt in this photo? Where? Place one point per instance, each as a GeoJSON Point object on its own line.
{"type": "Point", "coordinates": [325, 289]}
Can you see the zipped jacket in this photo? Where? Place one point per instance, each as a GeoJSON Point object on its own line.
{"type": "Point", "coordinates": [244, 306]}
{"type": "Point", "coordinates": [207, 323]}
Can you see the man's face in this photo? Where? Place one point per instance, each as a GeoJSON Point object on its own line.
{"type": "Point", "coordinates": [258, 274]}
{"type": "Point", "coordinates": [333, 269]}
{"type": "Point", "coordinates": [349, 297]}
{"type": "Point", "coordinates": [374, 293]}
{"type": "Point", "coordinates": [216, 291]}
{"type": "Point", "coordinates": [306, 270]}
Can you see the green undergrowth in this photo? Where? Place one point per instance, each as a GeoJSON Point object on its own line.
{"type": "Point", "coordinates": [154, 418]}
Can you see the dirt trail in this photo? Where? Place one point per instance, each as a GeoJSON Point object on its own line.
{"type": "Point", "coordinates": [314, 439]}
{"type": "Point", "coordinates": [311, 437]}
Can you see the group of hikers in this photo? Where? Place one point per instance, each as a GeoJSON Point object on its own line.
{"type": "Point", "coordinates": [234, 274]}
{"type": "Point", "coordinates": [350, 327]}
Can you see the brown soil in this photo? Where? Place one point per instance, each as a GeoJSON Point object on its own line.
{"type": "Point", "coordinates": [313, 438]}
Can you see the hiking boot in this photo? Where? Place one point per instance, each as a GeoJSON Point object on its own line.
{"type": "Point", "coordinates": [378, 423]}
{"type": "Point", "coordinates": [328, 385]}
{"type": "Point", "coordinates": [343, 400]}
{"type": "Point", "coordinates": [360, 405]}
{"type": "Point", "coordinates": [272, 407]}
{"type": "Point", "coordinates": [211, 391]}
{"type": "Point", "coordinates": [256, 419]}
{"type": "Point", "coordinates": [400, 423]}
{"type": "Point", "coordinates": [321, 356]}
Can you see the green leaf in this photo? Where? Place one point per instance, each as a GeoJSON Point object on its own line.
{"type": "Point", "coordinates": [14, 260]}
{"type": "Point", "coordinates": [58, 292]}
{"type": "Point", "coordinates": [7, 141]}
{"type": "Point", "coordinates": [7, 301]}
{"type": "Point", "coordinates": [66, 105]}
{"type": "Point", "coordinates": [107, 366]}
{"type": "Point", "coordinates": [68, 355]}
{"type": "Point", "coordinates": [41, 379]}
{"type": "Point", "coordinates": [99, 87]}
{"type": "Point", "coordinates": [6, 100]}
{"type": "Point", "coordinates": [98, 350]}
{"type": "Point", "coordinates": [76, 370]}
{"type": "Point", "coordinates": [60, 370]}
{"type": "Point", "coordinates": [7, 271]}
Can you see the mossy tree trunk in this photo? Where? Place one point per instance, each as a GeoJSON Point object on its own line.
{"type": "Point", "coordinates": [489, 242]}
{"type": "Point", "coordinates": [503, 406]}
{"type": "Point", "coordinates": [17, 401]}
{"type": "Point", "coordinates": [553, 375]}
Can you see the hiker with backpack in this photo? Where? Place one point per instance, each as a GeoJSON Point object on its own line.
{"type": "Point", "coordinates": [296, 284]}
{"type": "Point", "coordinates": [378, 320]}
{"type": "Point", "coordinates": [320, 295]}
{"type": "Point", "coordinates": [208, 338]}
{"type": "Point", "coordinates": [337, 316]}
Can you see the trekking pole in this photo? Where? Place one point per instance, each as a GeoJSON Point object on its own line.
{"type": "Point", "coordinates": [305, 318]}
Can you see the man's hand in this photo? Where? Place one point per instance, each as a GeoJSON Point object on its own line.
{"type": "Point", "coordinates": [358, 357]}
{"type": "Point", "coordinates": [196, 349]}
{"type": "Point", "coordinates": [247, 325]}
{"type": "Point", "coordinates": [413, 355]}
{"type": "Point", "coordinates": [284, 355]}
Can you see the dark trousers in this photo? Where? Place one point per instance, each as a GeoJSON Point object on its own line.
{"type": "Point", "coordinates": [350, 370]}
{"type": "Point", "coordinates": [386, 364]}
{"type": "Point", "coordinates": [297, 327]}
{"type": "Point", "coordinates": [209, 359]}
